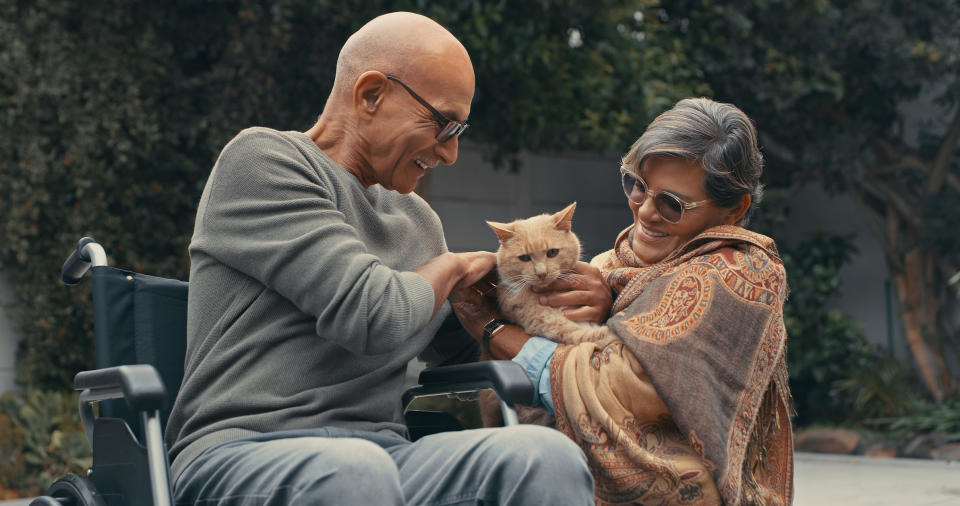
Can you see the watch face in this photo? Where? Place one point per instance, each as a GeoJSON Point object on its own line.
{"type": "Point", "coordinates": [493, 326]}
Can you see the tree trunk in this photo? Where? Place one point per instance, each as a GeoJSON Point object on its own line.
{"type": "Point", "coordinates": [914, 302]}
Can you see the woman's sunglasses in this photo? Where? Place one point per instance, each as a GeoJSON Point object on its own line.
{"type": "Point", "coordinates": [669, 206]}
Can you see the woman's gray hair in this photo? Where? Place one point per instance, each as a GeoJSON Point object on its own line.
{"type": "Point", "coordinates": [719, 136]}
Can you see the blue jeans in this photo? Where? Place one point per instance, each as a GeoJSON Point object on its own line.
{"type": "Point", "coordinates": [518, 465]}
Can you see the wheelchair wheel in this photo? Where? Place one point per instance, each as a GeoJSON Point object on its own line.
{"type": "Point", "coordinates": [70, 490]}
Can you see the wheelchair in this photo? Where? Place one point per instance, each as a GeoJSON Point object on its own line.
{"type": "Point", "coordinates": [140, 339]}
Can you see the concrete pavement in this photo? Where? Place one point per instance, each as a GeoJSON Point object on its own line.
{"type": "Point", "coordinates": [850, 480]}
{"type": "Point", "coordinates": [842, 480]}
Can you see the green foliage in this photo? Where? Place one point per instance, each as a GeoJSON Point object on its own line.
{"type": "Point", "coordinates": [113, 113]}
{"type": "Point", "coordinates": [835, 374]}
{"type": "Point", "coordinates": [879, 388]}
{"type": "Point", "coordinates": [43, 439]}
{"type": "Point", "coordinates": [926, 417]}
{"type": "Point", "coordinates": [567, 74]}
{"type": "Point", "coordinates": [824, 80]}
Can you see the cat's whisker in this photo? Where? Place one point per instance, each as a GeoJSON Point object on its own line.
{"type": "Point", "coordinates": [516, 288]}
{"type": "Point", "coordinates": [514, 278]}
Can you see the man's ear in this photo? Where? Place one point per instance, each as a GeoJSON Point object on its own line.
{"type": "Point", "coordinates": [368, 92]}
{"type": "Point", "coordinates": [736, 213]}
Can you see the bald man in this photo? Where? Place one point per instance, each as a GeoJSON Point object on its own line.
{"type": "Point", "coordinates": [316, 276]}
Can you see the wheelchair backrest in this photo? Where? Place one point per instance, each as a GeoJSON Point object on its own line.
{"type": "Point", "coordinates": [139, 319]}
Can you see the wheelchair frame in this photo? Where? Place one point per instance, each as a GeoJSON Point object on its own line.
{"type": "Point", "coordinates": [143, 390]}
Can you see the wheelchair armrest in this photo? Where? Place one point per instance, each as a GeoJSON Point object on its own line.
{"type": "Point", "coordinates": [506, 378]}
{"type": "Point", "coordinates": [139, 385]}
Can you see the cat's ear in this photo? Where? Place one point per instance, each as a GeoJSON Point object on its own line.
{"type": "Point", "coordinates": [562, 219]}
{"type": "Point", "coordinates": [504, 231]}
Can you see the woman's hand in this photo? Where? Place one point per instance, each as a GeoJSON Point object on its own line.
{"type": "Point", "coordinates": [584, 293]}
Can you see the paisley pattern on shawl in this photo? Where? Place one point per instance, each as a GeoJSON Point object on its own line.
{"type": "Point", "coordinates": [692, 407]}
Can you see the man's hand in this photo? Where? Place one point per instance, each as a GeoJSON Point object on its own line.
{"type": "Point", "coordinates": [584, 293]}
{"type": "Point", "coordinates": [476, 304]}
{"type": "Point", "coordinates": [451, 270]}
{"type": "Point", "coordinates": [476, 266]}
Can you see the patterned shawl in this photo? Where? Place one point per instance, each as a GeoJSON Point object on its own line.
{"type": "Point", "coordinates": [693, 406]}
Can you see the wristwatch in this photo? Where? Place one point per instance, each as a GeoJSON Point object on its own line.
{"type": "Point", "coordinates": [491, 329]}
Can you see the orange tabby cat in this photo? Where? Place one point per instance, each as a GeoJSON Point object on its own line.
{"type": "Point", "coordinates": [534, 252]}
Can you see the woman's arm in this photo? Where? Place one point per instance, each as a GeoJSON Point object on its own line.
{"type": "Point", "coordinates": [475, 306]}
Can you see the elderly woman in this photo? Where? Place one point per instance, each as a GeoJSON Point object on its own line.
{"type": "Point", "coordinates": [692, 405]}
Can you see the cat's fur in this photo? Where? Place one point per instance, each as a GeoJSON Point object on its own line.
{"type": "Point", "coordinates": [537, 251]}
{"type": "Point", "coordinates": [534, 252]}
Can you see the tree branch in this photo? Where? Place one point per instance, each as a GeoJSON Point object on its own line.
{"type": "Point", "coordinates": [872, 207]}
{"type": "Point", "coordinates": [903, 208]}
{"type": "Point", "coordinates": [953, 181]}
{"type": "Point", "coordinates": [891, 240]}
{"type": "Point", "coordinates": [868, 213]}
{"type": "Point", "coordinates": [888, 169]}
{"type": "Point", "coordinates": [894, 198]}
{"type": "Point", "coordinates": [941, 163]}
{"type": "Point", "coordinates": [908, 161]}
{"type": "Point", "coordinates": [904, 162]}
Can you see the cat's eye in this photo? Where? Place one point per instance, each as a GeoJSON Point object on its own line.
{"type": "Point", "coordinates": [552, 252]}
{"type": "Point", "coordinates": [524, 258]}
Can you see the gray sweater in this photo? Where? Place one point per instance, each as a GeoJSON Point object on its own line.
{"type": "Point", "coordinates": [303, 311]}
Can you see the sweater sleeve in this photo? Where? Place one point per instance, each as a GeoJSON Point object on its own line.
{"type": "Point", "coordinates": [269, 214]}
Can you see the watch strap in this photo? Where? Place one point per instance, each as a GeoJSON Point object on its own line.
{"type": "Point", "coordinates": [491, 329]}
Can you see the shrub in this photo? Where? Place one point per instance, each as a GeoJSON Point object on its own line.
{"type": "Point", "coordinates": [41, 438]}
{"type": "Point", "coordinates": [927, 417]}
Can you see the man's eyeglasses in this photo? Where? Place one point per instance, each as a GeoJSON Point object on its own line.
{"type": "Point", "coordinates": [670, 206]}
{"type": "Point", "coordinates": [449, 128]}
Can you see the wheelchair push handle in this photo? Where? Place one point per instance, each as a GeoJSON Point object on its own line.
{"type": "Point", "coordinates": [88, 253]}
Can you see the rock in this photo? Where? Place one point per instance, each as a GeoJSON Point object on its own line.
{"type": "Point", "coordinates": [948, 451]}
{"type": "Point", "coordinates": [840, 441]}
{"type": "Point", "coordinates": [924, 445]}
{"type": "Point", "coordinates": [885, 450]}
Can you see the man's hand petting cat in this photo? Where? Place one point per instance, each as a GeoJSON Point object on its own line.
{"type": "Point", "coordinates": [475, 266]}
{"type": "Point", "coordinates": [584, 294]}
{"type": "Point", "coordinates": [476, 305]}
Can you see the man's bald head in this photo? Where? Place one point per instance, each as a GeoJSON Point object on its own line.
{"type": "Point", "coordinates": [396, 43]}
{"type": "Point", "coordinates": [374, 125]}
